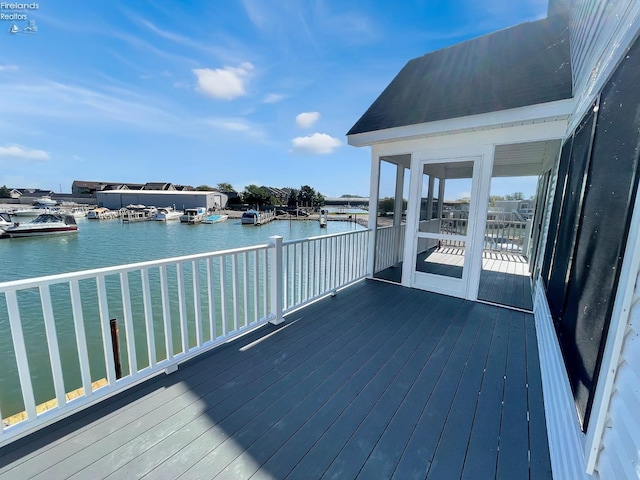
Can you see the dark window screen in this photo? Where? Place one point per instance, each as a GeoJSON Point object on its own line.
{"type": "Point", "coordinates": [589, 225]}
{"type": "Point", "coordinates": [569, 216]}
{"type": "Point", "coordinates": [554, 219]}
{"type": "Point", "coordinates": [604, 227]}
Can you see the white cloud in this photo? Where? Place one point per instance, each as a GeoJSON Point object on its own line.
{"type": "Point", "coordinates": [224, 83]}
{"type": "Point", "coordinates": [307, 119]}
{"type": "Point", "coordinates": [16, 152]}
{"type": "Point", "coordinates": [8, 68]}
{"type": "Point", "coordinates": [273, 98]}
{"type": "Point", "coordinates": [317, 144]}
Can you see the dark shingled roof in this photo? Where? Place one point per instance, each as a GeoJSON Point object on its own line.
{"type": "Point", "coordinates": [523, 65]}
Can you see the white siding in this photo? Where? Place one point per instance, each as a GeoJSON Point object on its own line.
{"type": "Point", "coordinates": [619, 455]}
{"type": "Point", "coordinates": [601, 32]}
{"type": "Point", "coordinates": [566, 441]}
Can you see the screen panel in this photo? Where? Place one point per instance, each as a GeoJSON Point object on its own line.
{"type": "Point", "coordinates": [608, 206]}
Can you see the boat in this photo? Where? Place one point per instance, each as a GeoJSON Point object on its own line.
{"type": "Point", "coordinates": [215, 218]}
{"type": "Point", "coordinates": [45, 201]}
{"type": "Point", "coordinates": [5, 221]}
{"type": "Point", "coordinates": [45, 224]}
{"type": "Point", "coordinates": [250, 217]}
{"type": "Point", "coordinates": [137, 213]}
{"type": "Point", "coordinates": [166, 214]}
{"type": "Point", "coordinates": [34, 211]}
{"type": "Point", "coordinates": [102, 213]}
{"type": "Point", "coordinates": [193, 215]}
{"type": "Point", "coordinates": [77, 212]}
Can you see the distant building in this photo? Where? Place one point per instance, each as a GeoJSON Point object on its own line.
{"type": "Point", "coordinates": [115, 199]}
{"type": "Point", "coordinates": [158, 186]}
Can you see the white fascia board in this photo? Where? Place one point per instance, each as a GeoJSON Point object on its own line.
{"type": "Point", "coordinates": [529, 114]}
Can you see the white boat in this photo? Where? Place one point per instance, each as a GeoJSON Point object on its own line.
{"type": "Point", "coordinates": [215, 218]}
{"type": "Point", "coordinates": [167, 214]}
{"type": "Point", "coordinates": [77, 212]}
{"type": "Point", "coordinates": [5, 221]}
{"type": "Point", "coordinates": [45, 224]}
{"type": "Point", "coordinates": [250, 217]}
{"type": "Point", "coordinates": [137, 213]}
{"type": "Point", "coordinates": [34, 211]}
{"type": "Point", "coordinates": [46, 201]}
{"type": "Point", "coordinates": [193, 215]}
{"type": "Point", "coordinates": [102, 213]}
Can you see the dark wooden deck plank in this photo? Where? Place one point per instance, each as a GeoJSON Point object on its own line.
{"type": "Point", "coordinates": [513, 456]}
{"type": "Point", "coordinates": [351, 441]}
{"type": "Point", "coordinates": [378, 380]}
{"type": "Point", "coordinates": [387, 452]}
{"type": "Point", "coordinates": [482, 450]}
{"type": "Point", "coordinates": [540, 462]}
{"type": "Point", "coordinates": [422, 442]}
{"type": "Point", "coordinates": [266, 431]}
{"type": "Point", "coordinates": [448, 459]}
{"type": "Point", "coordinates": [271, 385]}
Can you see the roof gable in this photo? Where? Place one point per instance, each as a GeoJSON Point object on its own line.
{"type": "Point", "coordinates": [524, 65]}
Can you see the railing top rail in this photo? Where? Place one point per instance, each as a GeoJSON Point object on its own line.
{"type": "Point", "coordinates": [96, 272]}
{"type": "Point", "coordinates": [318, 237]}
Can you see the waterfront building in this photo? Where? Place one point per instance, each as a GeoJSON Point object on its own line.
{"type": "Point", "coordinates": [116, 199]}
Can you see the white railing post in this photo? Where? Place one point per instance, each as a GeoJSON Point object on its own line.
{"type": "Point", "coordinates": [275, 267]}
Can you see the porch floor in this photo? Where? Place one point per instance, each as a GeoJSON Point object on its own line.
{"type": "Point", "coordinates": [504, 278]}
{"type": "Point", "coordinates": [380, 381]}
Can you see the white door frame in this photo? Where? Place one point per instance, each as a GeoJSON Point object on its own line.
{"type": "Point", "coordinates": [467, 286]}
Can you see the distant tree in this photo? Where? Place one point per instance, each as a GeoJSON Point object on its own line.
{"type": "Point", "coordinates": [205, 188]}
{"type": "Point", "coordinates": [518, 196]}
{"type": "Point", "coordinates": [318, 200]}
{"type": "Point", "coordinates": [388, 204]}
{"type": "Point", "coordinates": [349, 195]}
{"type": "Point", "coordinates": [255, 195]}
{"type": "Point", "coordinates": [293, 197]}
{"type": "Point", "coordinates": [493, 199]}
{"type": "Point", "coordinates": [5, 192]}
{"type": "Point", "coordinates": [225, 187]}
{"type": "Point", "coordinates": [305, 196]}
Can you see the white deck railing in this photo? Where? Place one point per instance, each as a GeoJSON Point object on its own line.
{"type": "Point", "coordinates": [55, 332]}
{"type": "Point", "coordinates": [389, 246]}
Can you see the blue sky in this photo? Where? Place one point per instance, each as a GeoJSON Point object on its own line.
{"type": "Point", "coordinates": [203, 92]}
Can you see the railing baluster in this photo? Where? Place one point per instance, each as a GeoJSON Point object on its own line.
{"type": "Point", "coordinates": [212, 303]}
{"type": "Point", "coordinates": [182, 308]}
{"type": "Point", "coordinates": [103, 308]}
{"type": "Point", "coordinates": [234, 286]}
{"type": "Point", "coordinates": [128, 324]}
{"type": "Point", "coordinates": [148, 318]}
{"type": "Point", "coordinates": [81, 338]}
{"type": "Point", "coordinates": [197, 303]}
{"type": "Point", "coordinates": [166, 312]}
{"type": "Point", "coordinates": [21, 355]}
{"type": "Point", "coordinates": [52, 343]}
{"type": "Point", "coordinates": [256, 293]}
{"type": "Point", "coordinates": [245, 288]}
{"type": "Point", "coordinates": [223, 304]}
{"type": "Point", "coordinates": [265, 284]}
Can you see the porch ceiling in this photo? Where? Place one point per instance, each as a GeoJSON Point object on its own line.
{"type": "Point", "coordinates": [510, 160]}
{"type": "Point", "coordinates": [521, 159]}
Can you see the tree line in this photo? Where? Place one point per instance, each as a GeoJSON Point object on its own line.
{"type": "Point", "coordinates": [305, 196]}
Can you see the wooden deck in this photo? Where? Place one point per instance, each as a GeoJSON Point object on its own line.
{"type": "Point", "coordinates": [380, 381]}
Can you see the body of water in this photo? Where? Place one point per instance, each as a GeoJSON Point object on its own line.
{"type": "Point", "coordinates": [104, 243]}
